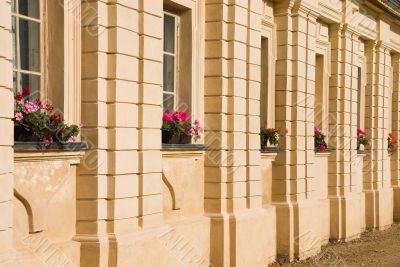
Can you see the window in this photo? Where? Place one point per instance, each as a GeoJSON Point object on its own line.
{"type": "Point", "coordinates": [26, 32]}
{"type": "Point", "coordinates": [360, 100]}
{"type": "Point", "coordinates": [319, 104]}
{"type": "Point", "coordinates": [361, 83]}
{"type": "Point", "coordinates": [264, 83]}
{"type": "Point", "coordinates": [170, 61]}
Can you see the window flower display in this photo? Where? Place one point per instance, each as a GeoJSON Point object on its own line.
{"type": "Point", "coordinates": [392, 144]}
{"type": "Point", "coordinates": [362, 141]}
{"type": "Point", "coordinates": [270, 136]}
{"type": "Point", "coordinates": [37, 121]}
{"type": "Point", "coordinates": [319, 140]}
{"type": "Point", "coordinates": [177, 129]}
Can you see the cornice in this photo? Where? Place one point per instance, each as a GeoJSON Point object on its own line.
{"type": "Point", "coordinates": [392, 6]}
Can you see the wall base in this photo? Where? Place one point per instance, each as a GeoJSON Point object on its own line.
{"type": "Point", "coordinates": [396, 204]}
{"type": "Point", "coordinates": [232, 236]}
{"type": "Point", "coordinates": [346, 217]}
{"type": "Point", "coordinates": [180, 243]}
{"type": "Point", "coordinates": [298, 233]}
{"type": "Point", "coordinates": [379, 208]}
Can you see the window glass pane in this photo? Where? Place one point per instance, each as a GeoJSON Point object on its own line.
{"type": "Point", "coordinates": [13, 4]}
{"type": "Point", "coordinates": [168, 102]}
{"type": "Point", "coordinates": [29, 45]}
{"type": "Point", "coordinates": [169, 72]}
{"type": "Point", "coordinates": [15, 81]}
{"type": "Point", "coordinates": [14, 41]}
{"type": "Point", "coordinates": [169, 34]}
{"type": "Point", "coordinates": [29, 8]}
{"type": "Point", "coordinates": [32, 82]}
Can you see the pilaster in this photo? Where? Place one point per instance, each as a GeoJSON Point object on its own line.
{"type": "Point", "coordinates": [395, 158]}
{"type": "Point", "coordinates": [345, 197]}
{"type": "Point", "coordinates": [232, 118]}
{"type": "Point", "coordinates": [377, 184]}
{"type": "Point", "coordinates": [7, 140]}
{"type": "Point", "coordinates": [293, 184]}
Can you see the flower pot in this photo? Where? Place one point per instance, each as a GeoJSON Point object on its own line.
{"type": "Point", "coordinates": [361, 147]}
{"type": "Point", "coordinates": [21, 134]}
{"type": "Point", "coordinates": [169, 138]}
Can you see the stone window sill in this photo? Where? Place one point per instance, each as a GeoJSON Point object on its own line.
{"type": "Point", "coordinates": [362, 152]}
{"type": "Point", "coordinates": [327, 151]}
{"type": "Point", "coordinates": [271, 149]}
{"type": "Point", "coordinates": [38, 146]}
{"type": "Point", "coordinates": [183, 147]}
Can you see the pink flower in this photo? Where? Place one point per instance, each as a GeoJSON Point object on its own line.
{"type": "Point", "coordinates": [196, 123]}
{"type": "Point", "coordinates": [184, 117]}
{"type": "Point", "coordinates": [18, 116]}
{"type": "Point", "coordinates": [72, 139]}
{"type": "Point", "coordinates": [46, 143]}
{"type": "Point", "coordinates": [316, 131]}
{"type": "Point", "coordinates": [191, 132]}
{"type": "Point", "coordinates": [359, 131]}
{"type": "Point", "coordinates": [167, 116]}
{"type": "Point", "coordinates": [30, 107]}
{"type": "Point", "coordinates": [322, 148]}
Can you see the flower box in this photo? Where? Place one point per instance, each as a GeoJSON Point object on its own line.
{"type": "Point", "coordinates": [269, 138]}
{"type": "Point", "coordinates": [170, 138]}
{"type": "Point", "coordinates": [177, 129]}
{"type": "Point", "coordinates": [37, 121]}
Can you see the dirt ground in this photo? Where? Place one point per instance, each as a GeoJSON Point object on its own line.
{"type": "Point", "coordinates": [379, 248]}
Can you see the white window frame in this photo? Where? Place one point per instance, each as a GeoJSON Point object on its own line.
{"type": "Point", "coordinates": [175, 91]}
{"type": "Point", "coordinates": [17, 70]}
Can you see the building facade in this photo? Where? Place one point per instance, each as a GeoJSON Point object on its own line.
{"type": "Point", "coordinates": [234, 65]}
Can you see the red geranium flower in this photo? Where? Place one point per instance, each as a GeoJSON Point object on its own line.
{"type": "Point", "coordinates": [56, 118]}
{"type": "Point", "coordinates": [49, 108]}
{"type": "Point", "coordinates": [25, 91]}
{"type": "Point", "coordinates": [18, 97]}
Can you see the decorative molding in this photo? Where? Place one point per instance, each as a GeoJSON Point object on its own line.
{"type": "Point", "coordinates": [35, 155]}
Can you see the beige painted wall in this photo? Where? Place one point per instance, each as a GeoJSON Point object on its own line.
{"type": "Point", "coordinates": [229, 205]}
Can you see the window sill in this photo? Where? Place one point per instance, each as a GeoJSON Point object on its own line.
{"type": "Point", "coordinates": [183, 147]}
{"type": "Point", "coordinates": [270, 149]}
{"type": "Point", "coordinates": [362, 152]}
{"type": "Point", "coordinates": [327, 151]}
{"type": "Point", "coordinates": [38, 146]}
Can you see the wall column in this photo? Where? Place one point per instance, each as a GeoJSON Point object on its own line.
{"type": "Point", "coordinates": [377, 184]}
{"type": "Point", "coordinates": [395, 158]}
{"type": "Point", "coordinates": [232, 164]}
{"type": "Point", "coordinates": [7, 138]}
{"type": "Point", "coordinates": [120, 193]}
{"type": "Point", "coordinates": [293, 184]}
{"type": "Point", "coordinates": [345, 199]}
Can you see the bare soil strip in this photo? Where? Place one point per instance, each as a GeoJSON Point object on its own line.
{"type": "Point", "coordinates": [377, 249]}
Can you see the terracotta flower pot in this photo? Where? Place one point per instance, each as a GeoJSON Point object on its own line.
{"type": "Point", "coordinates": [169, 138]}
